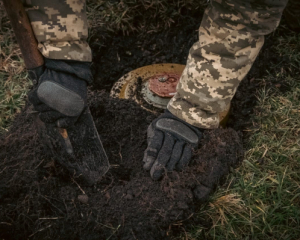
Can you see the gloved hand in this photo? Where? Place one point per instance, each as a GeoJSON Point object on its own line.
{"type": "Point", "coordinates": [60, 94]}
{"type": "Point", "coordinates": [171, 142]}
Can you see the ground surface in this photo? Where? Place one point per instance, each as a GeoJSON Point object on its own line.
{"type": "Point", "coordinates": [39, 200]}
{"type": "Point", "coordinates": [127, 203]}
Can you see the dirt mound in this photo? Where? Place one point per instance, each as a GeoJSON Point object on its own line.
{"type": "Point", "coordinates": [38, 199]}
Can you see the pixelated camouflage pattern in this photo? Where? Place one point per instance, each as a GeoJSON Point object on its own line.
{"type": "Point", "coordinates": [230, 37]}
{"type": "Point", "coordinates": [61, 28]}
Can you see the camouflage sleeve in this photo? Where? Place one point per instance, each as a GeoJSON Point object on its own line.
{"type": "Point", "coordinates": [60, 27]}
{"type": "Point", "coordinates": [230, 37]}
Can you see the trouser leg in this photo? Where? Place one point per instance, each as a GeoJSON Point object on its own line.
{"type": "Point", "coordinates": [61, 28]}
{"type": "Point", "coordinates": [230, 37]}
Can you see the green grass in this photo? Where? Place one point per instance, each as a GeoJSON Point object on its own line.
{"type": "Point", "coordinates": [139, 15]}
{"type": "Point", "coordinates": [14, 83]}
{"type": "Point", "coordinates": [261, 199]}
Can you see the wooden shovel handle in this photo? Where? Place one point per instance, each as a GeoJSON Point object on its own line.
{"type": "Point", "coordinates": [24, 34]}
{"type": "Point", "coordinates": [28, 45]}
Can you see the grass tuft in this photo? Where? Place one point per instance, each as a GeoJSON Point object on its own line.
{"type": "Point", "coordinates": [14, 83]}
{"type": "Point", "coordinates": [138, 16]}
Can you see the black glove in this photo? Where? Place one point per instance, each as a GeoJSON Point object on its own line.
{"type": "Point", "coordinates": [60, 94]}
{"type": "Point", "coordinates": [171, 142]}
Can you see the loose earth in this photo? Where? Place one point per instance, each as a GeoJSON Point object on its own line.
{"type": "Point", "coordinates": [40, 200]}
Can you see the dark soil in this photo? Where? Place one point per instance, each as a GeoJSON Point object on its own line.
{"type": "Point", "coordinates": [38, 197]}
{"type": "Point", "coordinates": [40, 200]}
{"type": "Point", "coordinates": [122, 54]}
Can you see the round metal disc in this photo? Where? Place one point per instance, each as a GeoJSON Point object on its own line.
{"type": "Point", "coordinates": [135, 85]}
{"type": "Point", "coordinates": [164, 85]}
{"type": "Point", "coordinates": [153, 99]}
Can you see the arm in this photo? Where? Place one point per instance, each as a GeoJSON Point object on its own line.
{"type": "Point", "coordinates": [60, 28]}
{"type": "Point", "coordinates": [230, 37]}
{"type": "Point", "coordinates": [60, 91]}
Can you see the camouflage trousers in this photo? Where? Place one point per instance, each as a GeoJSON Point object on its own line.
{"type": "Point", "coordinates": [61, 28]}
{"type": "Point", "coordinates": [230, 37]}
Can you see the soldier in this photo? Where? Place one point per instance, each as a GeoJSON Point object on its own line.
{"type": "Point", "coordinates": [230, 37]}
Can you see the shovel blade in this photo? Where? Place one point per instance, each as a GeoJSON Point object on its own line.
{"type": "Point", "coordinates": [78, 149]}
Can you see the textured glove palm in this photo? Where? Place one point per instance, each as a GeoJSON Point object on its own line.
{"type": "Point", "coordinates": [170, 144]}
{"type": "Point", "coordinates": [60, 94]}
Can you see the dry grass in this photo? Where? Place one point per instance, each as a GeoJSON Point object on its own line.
{"type": "Point", "coordinates": [140, 15]}
{"type": "Point", "coordinates": [14, 83]}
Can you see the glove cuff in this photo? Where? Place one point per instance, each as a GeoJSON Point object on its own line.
{"type": "Point", "coordinates": [79, 69]}
{"type": "Point", "coordinates": [168, 114]}
{"type": "Point", "coordinates": [35, 73]}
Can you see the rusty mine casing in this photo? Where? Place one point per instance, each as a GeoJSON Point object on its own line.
{"type": "Point", "coordinates": [153, 86]}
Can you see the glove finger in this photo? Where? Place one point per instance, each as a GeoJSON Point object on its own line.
{"type": "Point", "coordinates": [50, 116]}
{"type": "Point", "coordinates": [65, 122]}
{"type": "Point", "coordinates": [150, 133]}
{"type": "Point", "coordinates": [176, 155]}
{"type": "Point", "coordinates": [43, 108]}
{"type": "Point", "coordinates": [185, 158]}
{"type": "Point", "coordinates": [37, 103]}
{"type": "Point", "coordinates": [163, 157]}
{"type": "Point", "coordinates": [153, 149]}
{"type": "Point", "coordinates": [33, 97]}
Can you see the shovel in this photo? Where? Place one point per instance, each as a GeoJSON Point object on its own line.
{"type": "Point", "coordinates": [78, 148]}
